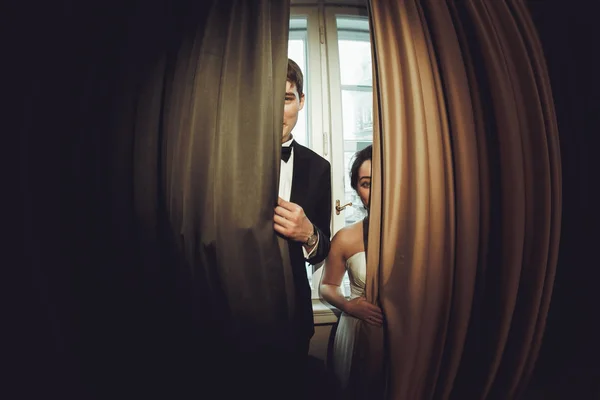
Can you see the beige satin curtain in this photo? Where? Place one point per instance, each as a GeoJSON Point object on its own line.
{"type": "Point", "coordinates": [466, 198]}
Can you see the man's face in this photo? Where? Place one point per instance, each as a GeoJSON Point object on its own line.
{"type": "Point", "coordinates": [293, 104]}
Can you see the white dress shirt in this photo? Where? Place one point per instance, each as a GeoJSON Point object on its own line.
{"type": "Point", "coordinates": [286, 175]}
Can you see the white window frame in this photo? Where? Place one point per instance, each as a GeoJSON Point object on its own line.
{"type": "Point", "coordinates": [324, 102]}
{"type": "Point", "coordinates": [337, 123]}
{"type": "Point", "coordinates": [314, 80]}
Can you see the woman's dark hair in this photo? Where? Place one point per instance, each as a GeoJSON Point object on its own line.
{"type": "Point", "coordinates": [359, 158]}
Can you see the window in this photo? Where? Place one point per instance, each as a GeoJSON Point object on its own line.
{"type": "Point", "coordinates": [356, 85]}
{"type": "Point", "coordinates": [332, 46]}
{"type": "Point", "coordinates": [297, 52]}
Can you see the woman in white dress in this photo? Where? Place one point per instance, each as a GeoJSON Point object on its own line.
{"type": "Point", "coordinates": [347, 253]}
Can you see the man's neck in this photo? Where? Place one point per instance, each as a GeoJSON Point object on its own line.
{"type": "Point", "coordinates": [287, 139]}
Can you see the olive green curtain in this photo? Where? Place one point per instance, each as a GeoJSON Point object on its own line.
{"type": "Point", "coordinates": [151, 135]}
{"type": "Point", "coordinates": [200, 142]}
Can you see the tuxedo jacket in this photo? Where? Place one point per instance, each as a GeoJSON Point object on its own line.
{"type": "Point", "coordinates": [311, 190]}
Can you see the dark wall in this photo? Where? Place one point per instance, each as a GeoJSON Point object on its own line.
{"type": "Point", "coordinates": [89, 316]}
{"type": "Point", "coordinates": [571, 350]}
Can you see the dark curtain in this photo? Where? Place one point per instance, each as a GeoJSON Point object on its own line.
{"type": "Point", "coordinates": [149, 137]}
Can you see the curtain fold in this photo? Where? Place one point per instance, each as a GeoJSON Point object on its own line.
{"type": "Point", "coordinates": [194, 163]}
{"type": "Point", "coordinates": [222, 159]}
{"type": "Point", "coordinates": [466, 183]}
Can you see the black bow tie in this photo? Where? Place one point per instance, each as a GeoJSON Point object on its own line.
{"type": "Point", "coordinates": [286, 152]}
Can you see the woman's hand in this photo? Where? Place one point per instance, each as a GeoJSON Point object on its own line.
{"type": "Point", "coordinates": [362, 309]}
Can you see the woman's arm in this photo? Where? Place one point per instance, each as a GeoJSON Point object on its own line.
{"type": "Point", "coordinates": [330, 287]}
{"type": "Point", "coordinates": [333, 273]}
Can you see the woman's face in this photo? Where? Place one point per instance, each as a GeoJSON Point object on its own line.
{"type": "Point", "coordinates": [364, 182]}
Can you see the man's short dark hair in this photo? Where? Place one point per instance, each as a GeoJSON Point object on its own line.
{"type": "Point", "coordinates": [359, 158]}
{"type": "Point", "coordinates": [294, 76]}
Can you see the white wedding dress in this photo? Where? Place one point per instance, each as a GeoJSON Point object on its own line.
{"type": "Point", "coordinates": [347, 329]}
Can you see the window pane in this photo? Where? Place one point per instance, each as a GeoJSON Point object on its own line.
{"type": "Point", "coordinates": [357, 99]}
{"type": "Point", "coordinates": [355, 61]}
{"type": "Point", "coordinates": [297, 52]}
{"type": "Point", "coordinates": [352, 24]}
{"type": "Point", "coordinates": [358, 134]}
{"type": "Point", "coordinates": [357, 114]}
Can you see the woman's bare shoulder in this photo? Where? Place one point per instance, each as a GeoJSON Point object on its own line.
{"type": "Point", "coordinates": [349, 238]}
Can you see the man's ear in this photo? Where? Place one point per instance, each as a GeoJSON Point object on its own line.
{"type": "Point", "coordinates": [301, 102]}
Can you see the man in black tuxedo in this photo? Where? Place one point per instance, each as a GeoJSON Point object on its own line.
{"type": "Point", "coordinates": [303, 213]}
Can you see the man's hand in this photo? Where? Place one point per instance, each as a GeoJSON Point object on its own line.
{"type": "Point", "coordinates": [291, 222]}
